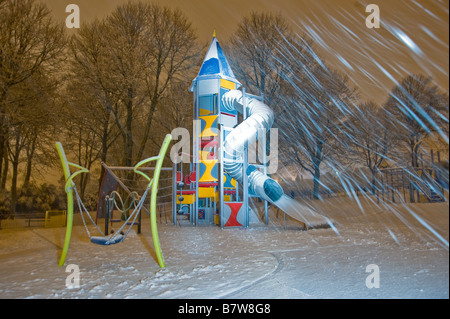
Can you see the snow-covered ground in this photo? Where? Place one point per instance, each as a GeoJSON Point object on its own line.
{"type": "Point", "coordinates": [408, 243]}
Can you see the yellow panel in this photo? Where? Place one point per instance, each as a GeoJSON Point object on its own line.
{"type": "Point", "coordinates": [227, 184]}
{"type": "Point", "coordinates": [226, 198]}
{"type": "Point", "coordinates": [204, 112]}
{"type": "Point", "coordinates": [209, 130]}
{"type": "Point", "coordinates": [227, 84]}
{"type": "Point", "coordinates": [207, 175]}
{"type": "Point", "coordinates": [188, 199]}
{"type": "Point", "coordinates": [204, 192]}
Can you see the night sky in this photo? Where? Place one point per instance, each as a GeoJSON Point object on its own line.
{"type": "Point", "coordinates": [413, 37]}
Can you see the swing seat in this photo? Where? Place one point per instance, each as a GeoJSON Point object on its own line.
{"type": "Point", "coordinates": [106, 241]}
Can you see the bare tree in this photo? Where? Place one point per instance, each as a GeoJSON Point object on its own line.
{"type": "Point", "coordinates": [371, 139]}
{"type": "Point", "coordinates": [174, 52]}
{"type": "Point", "coordinates": [30, 43]}
{"type": "Point", "coordinates": [128, 62]}
{"type": "Point", "coordinates": [316, 104]}
{"type": "Point", "coordinates": [89, 131]}
{"type": "Point", "coordinates": [312, 102]}
{"type": "Point", "coordinates": [255, 53]}
{"type": "Point", "coordinates": [176, 109]}
{"type": "Point", "coordinates": [417, 108]}
{"type": "Point", "coordinates": [29, 106]}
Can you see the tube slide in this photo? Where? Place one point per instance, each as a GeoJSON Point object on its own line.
{"type": "Point", "coordinates": [259, 120]}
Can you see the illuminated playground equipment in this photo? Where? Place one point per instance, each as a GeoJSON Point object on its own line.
{"type": "Point", "coordinates": [118, 236]}
{"type": "Point", "coordinates": [219, 182]}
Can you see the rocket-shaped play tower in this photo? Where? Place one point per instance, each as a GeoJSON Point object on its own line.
{"type": "Point", "coordinates": [226, 122]}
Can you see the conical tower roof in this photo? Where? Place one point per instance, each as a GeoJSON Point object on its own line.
{"type": "Point", "coordinates": [215, 64]}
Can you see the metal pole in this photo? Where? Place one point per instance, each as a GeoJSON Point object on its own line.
{"type": "Point", "coordinates": [174, 193]}
{"type": "Point", "coordinates": [245, 164]}
{"type": "Point", "coordinates": [107, 215]}
{"type": "Point", "coordinates": [221, 186]}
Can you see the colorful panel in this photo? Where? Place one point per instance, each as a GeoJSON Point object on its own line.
{"type": "Point", "coordinates": [210, 66]}
{"type": "Point", "coordinates": [208, 125]}
{"type": "Point", "coordinates": [227, 84]}
{"type": "Point", "coordinates": [187, 199]}
{"type": "Point", "coordinates": [204, 112]}
{"type": "Point", "coordinates": [208, 171]}
{"type": "Point", "coordinates": [224, 66]}
{"type": "Point", "coordinates": [201, 213]}
{"type": "Point", "coordinates": [232, 216]}
{"type": "Point", "coordinates": [228, 181]}
{"type": "Point", "coordinates": [205, 192]}
{"type": "Point", "coordinates": [226, 198]}
{"type": "Point", "coordinates": [223, 109]}
{"type": "Point", "coordinates": [208, 104]}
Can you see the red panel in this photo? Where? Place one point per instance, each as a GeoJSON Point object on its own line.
{"type": "Point", "coordinates": [187, 192]}
{"type": "Point", "coordinates": [206, 184]}
{"type": "Point", "coordinates": [232, 221]}
{"type": "Point", "coordinates": [209, 143]}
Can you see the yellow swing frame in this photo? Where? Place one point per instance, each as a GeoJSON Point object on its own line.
{"type": "Point", "coordinates": [153, 183]}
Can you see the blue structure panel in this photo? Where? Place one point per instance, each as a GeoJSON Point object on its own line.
{"type": "Point", "coordinates": [210, 67]}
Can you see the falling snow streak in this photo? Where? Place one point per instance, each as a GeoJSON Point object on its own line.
{"type": "Point", "coordinates": [316, 114]}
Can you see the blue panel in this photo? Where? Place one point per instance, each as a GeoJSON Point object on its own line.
{"type": "Point", "coordinates": [222, 108]}
{"type": "Point", "coordinates": [208, 102]}
{"type": "Point", "coordinates": [202, 124]}
{"type": "Point", "coordinates": [226, 70]}
{"type": "Point", "coordinates": [228, 181]}
{"type": "Point", "coordinates": [210, 67]}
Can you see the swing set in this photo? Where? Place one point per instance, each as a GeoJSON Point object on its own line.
{"type": "Point", "coordinates": [119, 235]}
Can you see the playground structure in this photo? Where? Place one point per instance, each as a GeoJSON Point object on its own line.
{"type": "Point", "coordinates": [415, 184]}
{"type": "Point", "coordinates": [207, 194]}
{"type": "Point", "coordinates": [217, 187]}
{"type": "Point", "coordinates": [425, 183]}
{"type": "Point", "coordinates": [118, 236]}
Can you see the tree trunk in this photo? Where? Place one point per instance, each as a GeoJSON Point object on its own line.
{"type": "Point", "coordinates": [128, 161]}
{"type": "Point", "coordinates": [147, 130]}
{"type": "Point", "coordinates": [3, 139]}
{"type": "Point", "coordinates": [5, 170]}
{"type": "Point", "coordinates": [317, 159]}
{"type": "Point", "coordinates": [373, 185]}
{"type": "Point", "coordinates": [3, 135]}
{"type": "Point", "coordinates": [316, 191]}
{"type": "Point", "coordinates": [104, 153]}
{"type": "Point", "coordinates": [30, 155]}
{"type": "Point", "coordinates": [15, 166]}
